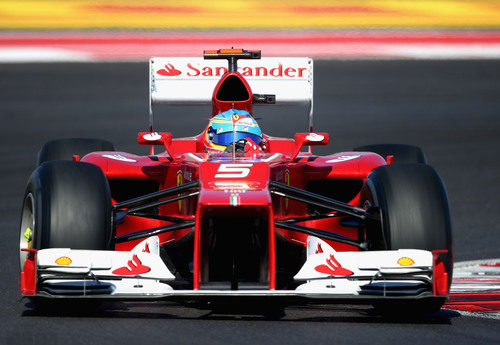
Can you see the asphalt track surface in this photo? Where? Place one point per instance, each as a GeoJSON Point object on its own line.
{"type": "Point", "coordinates": [450, 108]}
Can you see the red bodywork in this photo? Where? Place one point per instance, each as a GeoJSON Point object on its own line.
{"type": "Point", "coordinates": [239, 220]}
{"type": "Point", "coordinates": [238, 185]}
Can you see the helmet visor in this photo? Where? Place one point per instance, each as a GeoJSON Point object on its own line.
{"type": "Point", "coordinates": [227, 138]}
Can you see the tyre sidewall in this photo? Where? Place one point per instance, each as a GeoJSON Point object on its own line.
{"type": "Point", "coordinates": [72, 206]}
{"type": "Point", "coordinates": [413, 208]}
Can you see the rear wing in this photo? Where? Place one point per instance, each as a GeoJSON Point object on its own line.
{"type": "Point", "coordinates": [187, 81]}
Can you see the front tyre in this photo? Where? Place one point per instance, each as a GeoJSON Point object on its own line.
{"type": "Point", "coordinates": [402, 153]}
{"type": "Point", "coordinates": [414, 213]}
{"type": "Point", "coordinates": [64, 149]}
{"type": "Point", "coordinates": [66, 205]}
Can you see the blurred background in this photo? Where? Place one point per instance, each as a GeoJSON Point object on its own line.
{"type": "Point", "coordinates": [417, 72]}
{"type": "Point", "coordinates": [82, 30]}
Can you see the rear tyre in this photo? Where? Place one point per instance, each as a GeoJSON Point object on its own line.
{"type": "Point", "coordinates": [402, 153]}
{"type": "Point", "coordinates": [64, 149]}
{"type": "Point", "coordinates": [414, 212]}
{"type": "Point", "coordinates": [66, 205]}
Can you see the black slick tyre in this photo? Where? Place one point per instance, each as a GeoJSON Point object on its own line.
{"type": "Point", "coordinates": [66, 205]}
{"type": "Point", "coordinates": [64, 149]}
{"type": "Point", "coordinates": [413, 206]}
{"type": "Point", "coordinates": [402, 153]}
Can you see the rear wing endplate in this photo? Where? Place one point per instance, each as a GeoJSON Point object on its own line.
{"type": "Point", "coordinates": [187, 81]}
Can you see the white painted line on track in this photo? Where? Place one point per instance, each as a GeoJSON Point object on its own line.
{"type": "Point", "coordinates": [445, 51]}
{"type": "Point", "coordinates": [471, 263]}
{"type": "Point", "coordinates": [36, 54]}
{"type": "Point", "coordinates": [495, 316]}
{"type": "Point", "coordinates": [347, 51]}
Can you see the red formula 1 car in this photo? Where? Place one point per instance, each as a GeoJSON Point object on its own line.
{"type": "Point", "coordinates": [233, 216]}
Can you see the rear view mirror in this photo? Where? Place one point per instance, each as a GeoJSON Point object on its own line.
{"type": "Point", "coordinates": [312, 139]}
{"type": "Point", "coordinates": [154, 138]}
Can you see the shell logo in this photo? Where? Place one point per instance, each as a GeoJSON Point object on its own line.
{"type": "Point", "coordinates": [404, 261]}
{"type": "Point", "coordinates": [63, 261]}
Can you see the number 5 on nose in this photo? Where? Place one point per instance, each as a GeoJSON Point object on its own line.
{"type": "Point", "coordinates": [233, 170]}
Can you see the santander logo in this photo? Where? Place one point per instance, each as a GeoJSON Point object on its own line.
{"type": "Point", "coordinates": [169, 71]}
{"type": "Point", "coordinates": [134, 267]}
{"type": "Point", "coordinates": [196, 70]}
{"type": "Point", "coordinates": [333, 268]}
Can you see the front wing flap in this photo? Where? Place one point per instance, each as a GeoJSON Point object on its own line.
{"type": "Point", "coordinates": [327, 276]}
{"type": "Point", "coordinates": [404, 272]}
{"type": "Point", "coordinates": [68, 272]}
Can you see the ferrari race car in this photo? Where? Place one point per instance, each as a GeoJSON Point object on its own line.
{"type": "Point", "coordinates": [233, 216]}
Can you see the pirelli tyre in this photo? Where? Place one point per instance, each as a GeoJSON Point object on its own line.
{"type": "Point", "coordinates": [66, 205]}
{"type": "Point", "coordinates": [402, 153]}
{"type": "Point", "coordinates": [64, 149]}
{"type": "Point", "coordinates": [414, 214]}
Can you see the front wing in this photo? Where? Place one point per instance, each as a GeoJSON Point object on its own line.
{"type": "Point", "coordinates": [326, 277]}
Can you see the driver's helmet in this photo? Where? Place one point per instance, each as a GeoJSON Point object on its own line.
{"type": "Point", "coordinates": [231, 126]}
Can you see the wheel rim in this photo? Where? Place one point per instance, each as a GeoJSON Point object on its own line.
{"type": "Point", "coordinates": [26, 233]}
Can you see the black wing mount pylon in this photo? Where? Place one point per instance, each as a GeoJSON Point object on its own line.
{"type": "Point", "coordinates": [232, 56]}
